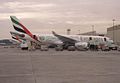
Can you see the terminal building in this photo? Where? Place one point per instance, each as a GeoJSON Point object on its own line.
{"type": "Point", "coordinates": [89, 33]}
{"type": "Point", "coordinates": [92, 33]}
{"type": "Point", "coordinates": [114, 34]}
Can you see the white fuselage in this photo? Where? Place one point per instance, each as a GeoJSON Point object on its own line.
{"type": "Point", "coordinates": [51, 39]}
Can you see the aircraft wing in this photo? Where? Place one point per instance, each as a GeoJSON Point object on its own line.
{"type": "Point", "coordinates": [64, 39]}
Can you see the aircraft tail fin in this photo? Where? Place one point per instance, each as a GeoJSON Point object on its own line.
{"type": "Point", "coordinates": [15, 36]}
{"type": "Point", "coordinates": [18, 26]}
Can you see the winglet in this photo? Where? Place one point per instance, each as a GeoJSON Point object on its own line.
{"type": "Point", "coordinates": [53, 33]}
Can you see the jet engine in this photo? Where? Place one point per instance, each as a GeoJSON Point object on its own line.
{"type": "Point", "coordinates": [58, 42]}
{"type": "Point", "coordinates": [81, 45]}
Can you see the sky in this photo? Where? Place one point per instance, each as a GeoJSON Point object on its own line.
{"type": "Point", "coordinates": [44, 16]}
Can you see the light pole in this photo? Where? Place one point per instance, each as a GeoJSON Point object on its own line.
{"type": "Point", "coordinates": [79, 32]}
{"type": "Point", "coordinates": [113, 30]}
{"type": "Point", "coordinates": [93, 30]}
{"type": "Point", "coordinates": [68, 31]}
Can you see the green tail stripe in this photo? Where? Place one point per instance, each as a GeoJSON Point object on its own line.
{"type": "Point", "coordinates": [14, 21]}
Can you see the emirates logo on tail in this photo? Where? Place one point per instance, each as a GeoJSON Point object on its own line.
{"type": "Point", "coordinates": [18, 26]}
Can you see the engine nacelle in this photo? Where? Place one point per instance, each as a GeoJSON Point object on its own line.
{"type": "Point", "coordinates": [58, 43]}
{"type": "Point", "coordinates": [81, 45]}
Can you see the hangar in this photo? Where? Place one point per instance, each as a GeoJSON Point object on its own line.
{"type": "Point", "coordinates": [114, 33]}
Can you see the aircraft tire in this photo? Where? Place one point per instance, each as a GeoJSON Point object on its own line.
{"type": "Point", "coordinates": [59, 49]}
{"type": "Point", "coordinates": [71, 48]}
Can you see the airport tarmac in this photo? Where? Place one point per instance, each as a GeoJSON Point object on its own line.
{"type": "Point", "coordinates": [17, 66]}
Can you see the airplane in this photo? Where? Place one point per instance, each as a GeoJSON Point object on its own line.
{"type": "Point", "coordinates": [23, 43]}
{"type": "Point", "coordinates": [17, 36]}
{"type": "Point", "coordinates": [70, 42]}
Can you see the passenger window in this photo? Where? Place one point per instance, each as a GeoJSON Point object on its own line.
{"type": "Point", "coordinates": [90, 38]}
{"type": "Point", "coordinates": [42, 38]}
{"type": "Point", "coordinates": [104, 39]}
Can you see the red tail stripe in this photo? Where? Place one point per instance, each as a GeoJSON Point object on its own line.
{"type": "Point", "coordinates": [26, 30]}
{"type": "Point", "coordinates": [18, 39]}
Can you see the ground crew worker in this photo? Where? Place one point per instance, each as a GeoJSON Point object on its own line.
{"type": "Point", "coordinates": [96, 44]}
{"type": "Point", "coordinates": [91, 43]}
